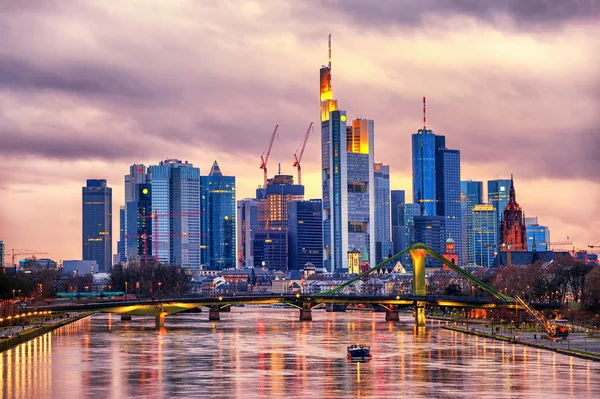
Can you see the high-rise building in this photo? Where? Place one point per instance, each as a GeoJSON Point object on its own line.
{"type": "Point", "coordinates": [247, 224]}
{"type": "Point", "coordinates": [410, 211]}
{"type": "Point", "coordinates": [270, 249]}
{"type": "Point", "coordinates": [383, 237]}
{"type": "Point", "coordinates": [97, 223]}
{"type": "Point", "coordinates": [121, 244]}
{"type": "Point", "coordinates": [538, 236]}
{"type": "Point", "coordinates": [347, 178]}
{"type": "Point", "coordinates": [139, 225]}
{"type": "Point", "coordinates": [483, 235]}
{"type": "Point", "coordinates": [137, 175]}
{"type": "Point", "coordinates": [423, 167]}
{"type": "Point", "coordinates": [498, 193]}
{"type": "Point", "coordinates": [512, 230]}
{"type": "Point", "coordinates": [429, 230]}
{"type": "Point", "coordinates": [218, 227]}
{"type": "Point", "coordinates": [397, 216]}
{"type": "Point", "coordinates": [471, 194]}
{"type": "Point", "coordinates": [2, 253]}
{"type": "Point", "coordinates": [305, 233]}
{"type": "Point", "coordinates": [447, 182]}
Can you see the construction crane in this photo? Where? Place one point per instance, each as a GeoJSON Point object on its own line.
{"type": "Point", "coordinates": [265, 158]}
{"type": "Point", "coordinates": [594, 245]}
{"type": "Point", "coordinates": [19, 252]}
{"type": "Point", "coordinates": [555, 332]}
{"type": "Point", "coordinates": [298, 158]}
{"type": "Point", "coordinates": [557, 243]}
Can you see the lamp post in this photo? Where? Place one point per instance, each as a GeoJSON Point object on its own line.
{"type": "Point", "coordinates": [14, 294]}
{"type": "Point", "coordinates": [159, 284]}
{"type": "Point", "coordinates": [125, 289]}
{"type": "Point", "coordinates": [86, 292]}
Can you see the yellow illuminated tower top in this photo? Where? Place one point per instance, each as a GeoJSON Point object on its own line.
{"type": "Point", "coordinates": [328, 104]}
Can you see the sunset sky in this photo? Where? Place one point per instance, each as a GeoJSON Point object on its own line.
{"type": "Point", "coordinates": [88, 88]}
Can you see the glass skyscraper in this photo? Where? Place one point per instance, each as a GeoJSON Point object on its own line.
{"type": "Point", "coordinates": [471, 194]}
{"type": "Point", "coordinates": [447, 176]}
{"type": "Point", "coordinates": [305, 233]}
{"type": "Point", "coordinates": [247, 224]}
{"type": "Point", "coordinates": [138, 236]}
{"type": "Point", "coordinates": [538, 236]}
{"type": "Point", "coordinates": [397, 199]}
{"type": "Point", "coordinates": [423, 168]}
{"type": "Point", "coordinates": [2, 253]}
{"type": "Point", "coordinates": [383, 228]}
{"type": "Point", "coordinates": [97, 223]}
{"type": "Point", "coordinates": [498, 194]}
{"type": "Point", "coordinates": [429, 230]}
{"type": "Point", "coordinates": [484, 235]}
{"type": "Point", "coordinates": [121, 243]}
{"type": "Point", "coordinates": [218, 227]}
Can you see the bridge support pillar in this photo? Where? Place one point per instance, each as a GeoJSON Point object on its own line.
{"type": "Point", "coordinates": [306, 312]}
{"type": "Point", "coordinates": [160, 320]}
{"type": "Point", "coordinates": [418, 260]}
{"type": "Point", "coordinates": [420, 314]}
{"type": "Point", "coordinates": [392, 313]}
{"type": "Point", "coordinates": [214, 314]}
{"type": "Point", "coordinates": [125, 317]}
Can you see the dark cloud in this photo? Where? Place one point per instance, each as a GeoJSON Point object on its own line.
{"type": "Point", "coordinates": [526, 14]}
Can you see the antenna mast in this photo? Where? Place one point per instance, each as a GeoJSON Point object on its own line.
{"type": "Point", "coordinates": [329, 64]}
{"type": "Point", "coordinates": [424, 114]}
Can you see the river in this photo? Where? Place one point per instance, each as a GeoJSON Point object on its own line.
{"type": "Point", "coordinates": [264, 352]}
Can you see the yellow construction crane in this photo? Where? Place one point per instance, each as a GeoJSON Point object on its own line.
{"type": "Point", "coordinates": [556, 243]}
{"type": "Point", "coordinates": [595, 245]}
{"type": "Point", "coordinates": [19, 252]}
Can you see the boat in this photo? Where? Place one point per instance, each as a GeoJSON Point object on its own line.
{"type": "Point", "coordinates": [359, 352]}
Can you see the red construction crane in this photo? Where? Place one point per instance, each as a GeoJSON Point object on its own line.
{"type": "Point", "coordinates": [264, 159]}
{"type": "Point", "coordinates": [19, 252]}
{"type": "Point", "coordinates": [298, 158]}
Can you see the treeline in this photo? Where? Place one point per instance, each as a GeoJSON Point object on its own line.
{"type": "Point", "coordinates": [151, 280]}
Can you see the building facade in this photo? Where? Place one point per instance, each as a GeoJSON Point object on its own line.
{"type": "Point", "coordinates": [2, 253]}
{"type": "Point", "coordinates": [447, 181]}
{"type": "Point", "coordinates": [397, 200]}
{"type": "Point", "coordinates": [471, 194]}
{"type": "Point", "coordinates": [121, 244]}
{"type": "Point", "coordinates": [247, 224]}
{"type": "Point", "coordinates": [137, 175]}
{"type": "Point", "coordinates": [139, 216]}
{"type": "Point", "coordinates": [383, 227]}
{"type": "Point", "coordinates": [498, 193]}
{"type": "Point", "coordinates": [483, 237]}
{"type": "Point", "coordinates": [305, 234]}
{"type": "Point", "coordinates": [513, 235]}
{"type": "Point", "coordinates": [429, 230]}
{"type": "Point", "coordinates": [538, 236]}
{"type": "Point", "coordinates": [97, 223]}
{"type": "Point", "coordinates": [423, 170]}
{"type": "Point", "coordinates": [218, 227]}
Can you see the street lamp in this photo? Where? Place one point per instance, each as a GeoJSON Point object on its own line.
{"type": "Point", "coordinates": [159, 284]}
{"type": "Point", "coordinates": [125, 289]}
{"type": "Point", "coordinates": [86, 291]}
{"type": "Point", "coordinates": [13, 294]}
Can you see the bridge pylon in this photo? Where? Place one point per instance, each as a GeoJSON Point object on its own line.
{"type": "Point", "coordinates": [419, 286]}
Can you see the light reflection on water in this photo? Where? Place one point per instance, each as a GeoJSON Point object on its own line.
{"type": "Point", "coordinates": [254, 352]}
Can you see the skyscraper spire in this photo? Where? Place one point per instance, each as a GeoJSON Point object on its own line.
{"type": "Point", "coordinates": [328, 104]}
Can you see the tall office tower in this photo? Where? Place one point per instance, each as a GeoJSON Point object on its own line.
{"type": "Point", "coordinates": [97, 223]}
{"type": "Point", "coordinates": [397, 199]}
{"type": "Point", "coordinates": [121, 244]}
{"type": "Point", "coordinates": [137, 175]}
{"type": "Point", "coordinates": [139, 225]}
{"type": "Point", "coordinates": [347, 178]}
{"type": "Point", "coordinates": [538, 236]}
{"type": "Point", "coordinates": [383, 238]}
{"type": "Point", "coordinates": [483, 235]}
{"type": "Point", "coordinates": [471, 194]}
{"type": "Point", "coordinates": [408, 216]}
{"type": "Point", "coordinates": [2, 253]}
{"type": "Point", "coordinates": [512, 229]}
{"type": "Point", "coordinates": [247, 224]}
{"type": "Point", "coordinates": [429, 230]}
{"type": "Point", "coordinates": [270, 249]}
{"type": "Point", "coordinates": [447, 181]}
{"type": "Point", "coordinates": [498, 192]}
{"type": "Point", "coordinates": [305, 233]}
{"type": "Point", "coordinates": [218, 227]}
{"type": "Point", "coordinates": [423, 167]}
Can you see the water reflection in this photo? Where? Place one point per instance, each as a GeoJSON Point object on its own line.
{"type": "Point", "coordinates": [268, 353]}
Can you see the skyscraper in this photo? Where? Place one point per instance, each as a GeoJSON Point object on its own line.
{"type": "Point", "coordinates": [423, 167]}
{"type": "Point", "coordinates": [139, 225]}
{"type": "Point", "coordinates": [397, 220]}
{"type": "Point", "coordinates": [121, 243]}
{"type": "Point", "coordinates": [137, 175]}
{"type": "Point", "coordinates": [247, 224]}
{"type": "Point", "coordinates": [447, 181]}
{"type": "Point", "coordinates": [429, 230]}
{"type": "Point", "coordinates": [347, 178]}
{"type": "Point", "coordinates": [512, 229]}
{"type": "Point", "coordinates": [218, 227]}
{"type": "Point", "coordinates": [471, 195]}
{"type": "Point", "coordinates": [383, 238]}
{"type": "Point", "coordinates": [305, 233]}
{"type": "Point", "coordinates": [408, 216]}
{"type": "Point", "coordinates": [97, 223]}
{"type": "Point", "coordinates": [498, 192]}
{"type": "Point", "coordinates": [483, 235]}
{"type": "Point", "coordinates": [2, 253]}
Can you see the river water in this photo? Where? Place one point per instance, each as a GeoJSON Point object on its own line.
{"type": "Point", "coordinates": [265, 352]}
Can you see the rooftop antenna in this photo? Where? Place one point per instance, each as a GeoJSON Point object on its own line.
{"type": "Point", "coordinates": [279, 168]}
{"type": "Point", "coordinates": [329, 64]}
{"type": "Point", "coordinates": [424, 114]}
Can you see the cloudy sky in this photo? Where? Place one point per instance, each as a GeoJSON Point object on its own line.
{"type": "Point", "coordinates": [89, 87]}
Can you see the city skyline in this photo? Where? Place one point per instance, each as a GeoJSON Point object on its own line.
{"type": "Point", "coordinates": [100, 101]}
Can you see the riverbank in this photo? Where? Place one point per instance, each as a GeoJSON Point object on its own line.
{"type": "Point", "coordinates": [31, 333]}
{"type": "Point", "coordinates": [534, 344]}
